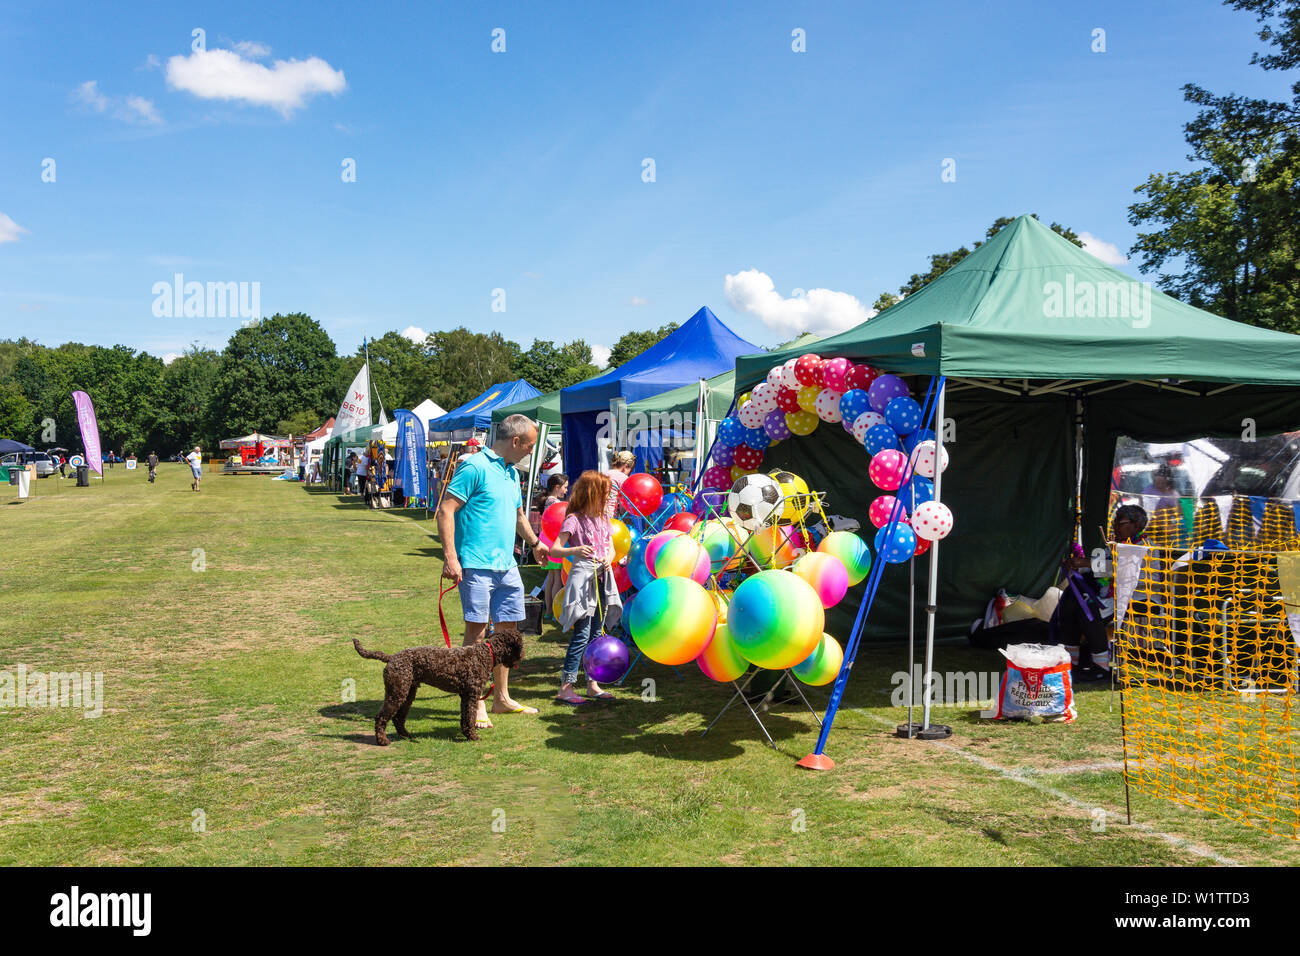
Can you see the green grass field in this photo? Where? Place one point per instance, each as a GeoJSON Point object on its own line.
{"type": "Point", "coordinates": [222, 625]}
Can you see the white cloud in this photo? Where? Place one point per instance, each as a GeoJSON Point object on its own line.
{"type": "Point", "coordinates": [170, 357]}
{"type": "Point", "coordinates": [600, 355]}
{"type": "Point", "coordinates": [636, 300]}
{"type": "Point", "coordinates": [225, 75]}
{"type": "Point", "coordinates": [822, 311]}
{"type": "Point", "coordinates": [252, 49]}
{"type": "Point", "coordinates": [9, 230]}
{"type": "Point", "coordinates": [1107, 252]}
{"type": "Point", "coordinates": [414, 333]}
{"type": "Point", "coordinates": [130, 109]}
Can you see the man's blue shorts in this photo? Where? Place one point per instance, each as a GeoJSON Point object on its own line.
{"type": "Point", "coordinates": [496, 593]}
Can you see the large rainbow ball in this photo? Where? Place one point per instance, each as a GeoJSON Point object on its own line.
{"type": "Point", "coordinates": [718, 543]}
{"type": "Point", "coordinates": [852, 551]}
{"type": "Point", "coordinates": [773, 547]}
{"type": "Point", "coordinates": [721, 660]}
{"type": "Point", "coordinates": [821, 666]}
{"type": "Point", "coordinates": [683, 557]}
{"type": "Point", "coordinates": [827, 575]}
{"type": "Point", "coordinates": [672, 620]}
{"type": "Point", "coordinates": [657, 541]}
{"type": "Point", "coordinates": [775, 619]}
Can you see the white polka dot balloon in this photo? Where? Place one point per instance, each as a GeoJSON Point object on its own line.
{"type": "Point", "coordinates": [750, 415]}
{"type": "Point", "coordinates": [865, 421]}
{"type": "Point", "coordinates": [774, 376]}
{"type": "Point", "coordinates": [764, 397]}
{"type": "Point", "coordinates": [932, 520]}
{"type": "Point", "coordinates": [923, 459]}
{"type": "Point", "coordinates": [788, 378]}
{"type": "Point", "coordinates": [828, 405]}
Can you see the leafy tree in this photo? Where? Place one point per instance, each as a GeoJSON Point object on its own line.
{"type": "Point", "coordinates": [403, 372]}
{"type": "Point", "coordinates": [465, 363]}
{"type": "Point", "coordinates": [632, 344]}
{"type": "Point", "coordinates": [185, 416]}
{"type": "Point", "coordinates": [15, 413]}
{"type": "Point", "coordinates": [1227, 233]}
{"type": "Point", "coordinates": [548, 367]}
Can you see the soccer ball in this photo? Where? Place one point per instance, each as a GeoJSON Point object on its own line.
{"type": "Point", "coordinates": [754, 501]}
{"type": "Point", "coordinates": [794, 493]}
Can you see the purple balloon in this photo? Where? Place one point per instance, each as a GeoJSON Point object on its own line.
{"type": "Point", "coordinates": [711, 504]}
{"type": "Point", "coordinates": [884, 390]}
{"type": "Point", "coordinates": [724, 456]}
{"type": "Point", "coordinates": [775, 426]}
{"type": "Point", "coordinates": [605, 659]}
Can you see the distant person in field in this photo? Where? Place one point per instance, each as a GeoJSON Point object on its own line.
{"type": "Point", "coordinates": [153, 466]}
{"type": "Point", "coordinates": [478, 520]}
{"type": "Point", "coordinates": [195, 460]}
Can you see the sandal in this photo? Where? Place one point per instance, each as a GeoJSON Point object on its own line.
{"type": "Point", "coordinates": [574, 701]}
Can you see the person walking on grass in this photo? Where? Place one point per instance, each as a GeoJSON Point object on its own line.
{"type": "Point", "coordinates": [481, 514]}
{"type": "Point", "coordinates": [591, 598]}
{"type": "Point", "coordinates": [153, 466]}
{"type": "Point", "coordinates": [195, 459]}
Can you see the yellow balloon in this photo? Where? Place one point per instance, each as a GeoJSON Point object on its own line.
{"type": "Point", "coordinates": [737, 472]}
{"type": "Point", "coordinates": [557, 603]}
{"type": "Point", "coordinates": [621, 537]}
{"type": "Point", "coordinates": [740, 402]}
{"type": "Point", "coordinates": [801, 423]}
{"type": "Point", "coordinates": [720, 600]}
{"type": "Point", "coordinates": [807, 397]}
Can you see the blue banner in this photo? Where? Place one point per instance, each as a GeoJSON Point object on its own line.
{"type": "Point", "coordinates": [411, 472]}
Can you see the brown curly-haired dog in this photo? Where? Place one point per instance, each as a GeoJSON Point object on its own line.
{"type": "Point", "coordinates": [459, 670]}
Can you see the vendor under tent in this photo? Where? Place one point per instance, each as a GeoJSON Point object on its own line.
{"type": "Point", "coordinates": [700, 348]}
{"type": "Point", "coordinates": [255, 438]}
{"type": "Point", "coordinates": [1049, 355]}
{"type": "Point", "coordinates": [474, 417]}
{"type": "Point", "coordinates": [335, 451]}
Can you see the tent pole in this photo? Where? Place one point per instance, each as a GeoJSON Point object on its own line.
{"type": "Point", "coordinates": [1078, 471]}
{"type": "Point", "coordinates": [938, 731]}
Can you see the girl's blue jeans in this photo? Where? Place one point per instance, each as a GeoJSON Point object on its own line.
{"type": "Point", "coordinates": [584, 631]}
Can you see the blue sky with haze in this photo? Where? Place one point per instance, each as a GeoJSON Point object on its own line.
{"type": "Point", "coordinates": [522, 170]}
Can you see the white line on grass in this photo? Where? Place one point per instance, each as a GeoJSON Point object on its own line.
{"type": "Point", "coordinates": [1027, 778]}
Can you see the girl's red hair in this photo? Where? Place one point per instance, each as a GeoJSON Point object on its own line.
{"type": "Point", "coordinates": [589, 494]}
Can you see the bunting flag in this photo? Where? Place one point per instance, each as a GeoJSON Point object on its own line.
{"type": "Point", "coordinates": [355, 410]}
{"type": "Point", "coordinates": [410, 470]}
{"type": "Point", "coordinates": [89, 431]}
{"type": "Point", "coordinates": [1225, 510]}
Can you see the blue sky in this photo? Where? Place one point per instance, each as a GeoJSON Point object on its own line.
{"type": "Point", "coordinates": [522, 170]}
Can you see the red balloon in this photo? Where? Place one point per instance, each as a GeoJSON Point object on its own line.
{"type": "Point", "coordinates": [642, 493]}
{"type": "Point", "coordinates": [861, 376]}
{"type": "Point", "coordinates": [787, 399]}
{"type": "Point", "coordinates": [683, 521]}
{"type": "Point", "coordinates": [807, 369]}
{"type": "Point", "coordinates": [748, 459]}
{"type": "Point", "coordinates": [553, 519]}
{"type": "Point", "coordinates": [621, 579]}
{"type": "Point", "coordinates": [922, 545]}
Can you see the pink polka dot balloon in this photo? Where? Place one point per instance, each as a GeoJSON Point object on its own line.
{"type": "Point", "coordinates": [882, 508]}
{"type": "Point", "coordinates": [788, 377]}
{"type": "Point", "coordinates": [763, 397]}
{"type": "Point", "coordinates": [751, 416]}
{"type": "Point", "coordinates": [886, 468]}
{"type": "Point", "coordinates": [865, 421]}
{"type": "Point", "coordinates": [828, 405]}
{"type": "Point", "coordinates": [808, 369]}
{"type": "Point", "coordinates": [834, 372]}
{"type": "Point", "coordinates": [932, 520]}
{"type": "Point", "coordinates": [923, 459]}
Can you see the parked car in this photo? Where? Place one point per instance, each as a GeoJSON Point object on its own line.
{"type": "Point", "coordinates": [45, 465]}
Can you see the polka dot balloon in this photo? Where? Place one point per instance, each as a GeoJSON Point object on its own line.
{"type": "Point", "coordinates": [918, 436]}
{"type": "Point", "coordinates": [918, 491]}
{"type": "Point", "coordinates": [933, 521]}
{"type": "Point", "coordinates": [737, 473]}
{"type": "Point", "coordinates": [865, 421]}
{"type": "Point", "coordinates": [748, 458]}
{"type": "Point", "coordinates": [834, 372]}
{"type": "Point", "coordinates": [802, 423]}
{"type": "Point", "coordinates": [880, 437]}
{"type": "Point", "coordinates": [885, 389]}
{"type": "Point", "coordinates": [764, 397]}
{"type": "Point", "coordinates": [718, 477]}
{"type": "Point", "coordinates": [860, 376]}
{"type": "Point", "coordinates": [775, 425]}
{"type": "Point", "coordinates": [757, 439]}
{"type": "Point", "coordinates": [886, 469]}
{"type": "Point", "coordinates": [788, 377]}
{"type": "Point", "coordinates": [923, 456]}
{"type": "Point", "coordinates": [808, 398]}
{"type": "Point", "coordinates": [903, 414]}
{"type": "Point", "coordinates": [730, 431]}
{"type": "Point", "coordinates": [828, 405]}
{"type": "Point", "coordinates": [808, 370]}
{"type": "Point", "coordinates": [895, 545]}
{"type": "Point", "coordinates": [853, 403]}
{"type": "Point", "coordinates": [724, 455]}
{"type": "Point", "coordinates": [882, 508]}
{"type": "Point", "coordinates": [787, 399]}
{"type": "Point", "coordinates": [751, 416]}
{"type": "Point", "coordinates": [774, 376]}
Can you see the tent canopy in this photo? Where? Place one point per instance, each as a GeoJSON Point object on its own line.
{"type": "Point", "coordinates": [426, 411]}
{"type": "Point", "coordinates": [700, 348]}
{"type": "Point", "coordinates": [1028, 330]}
{"type": "Point", "coordinates": [719, 390]}
{"type": "Point", "coordinates": [8, 446]}
{"type": "Point", "coordinates": [476, 414]}
{"type": "Point", "coordinates": [270, 441]}
{"type": "Point", "coordinates": [1031, 304]}
{"type": "Point", "coordinates": [544, 409]}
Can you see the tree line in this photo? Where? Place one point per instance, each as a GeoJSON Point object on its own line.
{"type": "Point", "coordinates": [281, 375]}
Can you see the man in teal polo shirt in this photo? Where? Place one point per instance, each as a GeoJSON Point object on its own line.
{"type": "Point", "coordinates": [478, 520]}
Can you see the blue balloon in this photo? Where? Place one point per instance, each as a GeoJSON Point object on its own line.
{"type": "Point", "coordinates": [731, 431]}
{"type": "Point", "coordinates": [853, 403]}
{"type": "Point", "coordinates": [897, 547]}
{"type": "Point", "coordinates": [918, 436]}
{"type": "Point", "coordinates": [636, 566]}
{"type": "Point", "coordinates": [918, 491]}
{"type": "Point", "coordinates": [880, 437]}
{"type": "Point", "coordinates": [903, 415]}
{"type": "Point", "coordinates": [757, 438]}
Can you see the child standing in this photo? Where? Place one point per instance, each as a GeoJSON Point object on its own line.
{"type": "Point", "coordinates": [590, 597]}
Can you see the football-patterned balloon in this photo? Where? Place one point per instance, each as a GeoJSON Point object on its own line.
{"type": "Point", "coordinates": [932, 521]}
{"type": "Point", "coordinates": [775, 426]}
{"type": "Point", "coordinates": [788, 377]}
{"type": "Point", "coordinates": [794, 490]}
{"type": "Point", "coordinates": [801, 423]}
{"type": "Point", "coordinates": [754, 501]}
{"type": "Point", "coordinates": [748, 458]}
{"type": "Point", "coordinates": [865, 421]}
{"type": "Point", "coordinates": [787, 399]}
{"type": "Point", "coordinates": [834, 372]}
{"type": "Point", "coordinates": [828, 405]}
{"type": "Point", "coordinates": [808, 370]}
{"type": "Point", "coordinates": [923, 459]}
{"type": "Point", "coordinates": [751, 416]}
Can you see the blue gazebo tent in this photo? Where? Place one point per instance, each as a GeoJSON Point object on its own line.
{"type": "Point", "coordinates": [699, 349]}
{"type": "Point", "coordinates": [476, 414]}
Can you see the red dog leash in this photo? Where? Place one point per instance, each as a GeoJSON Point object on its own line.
{"type": "Point", "coordinates": [442, 618]}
